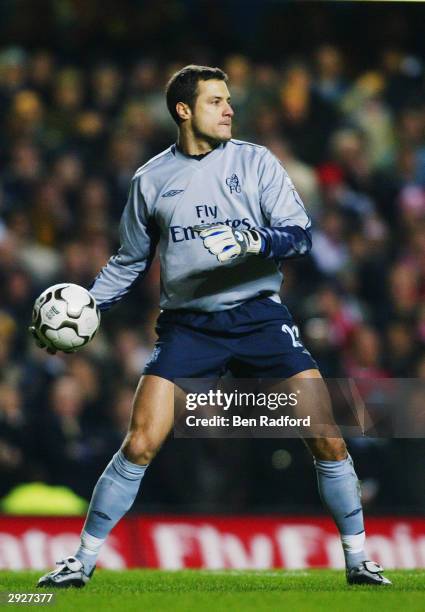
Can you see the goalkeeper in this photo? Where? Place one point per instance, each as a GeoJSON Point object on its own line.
{"type": "Point", "coordinates": [224, 214]}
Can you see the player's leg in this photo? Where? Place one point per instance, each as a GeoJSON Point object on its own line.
{"type": "Point", "coordinates": [338, 484]}
{"type": "Point", "coordinates": [116, 489]}
{"type": "Point", "coordinates": [337, 480]}
{"type": "Point", "coordinates": [152, 418]}
{"type": "Point", "coordinates": [273, 351]}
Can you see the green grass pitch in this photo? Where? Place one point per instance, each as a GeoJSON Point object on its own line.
{"type": "Point", "coordinates": [229, 591]}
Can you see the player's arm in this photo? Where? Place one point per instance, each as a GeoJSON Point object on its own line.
{"type": "Point", "coordinates": [287, 233]}
{"type": "Point", "coordinates": [138, 239]}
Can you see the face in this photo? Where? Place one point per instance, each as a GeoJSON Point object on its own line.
{"type": "Point", "coordinates": [212, 114]}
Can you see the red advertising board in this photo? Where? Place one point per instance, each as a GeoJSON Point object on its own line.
{"type": "Point", "coordinates": [210, 542]}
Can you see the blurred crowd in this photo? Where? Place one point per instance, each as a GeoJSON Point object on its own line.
{"type": "Point", "coordinates": [72, 136]}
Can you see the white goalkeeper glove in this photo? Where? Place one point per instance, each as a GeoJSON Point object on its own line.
{"type": "Point", "coordinates": [227, 243]}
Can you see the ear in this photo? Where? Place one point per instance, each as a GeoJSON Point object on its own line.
{"type": "Point", "coordinates": [183, 111]}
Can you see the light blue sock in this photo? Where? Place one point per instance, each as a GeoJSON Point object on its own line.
{"type": "Point", "coordinates": [339, 489]}
{"type": "Point", "coordinates": [112, 497]}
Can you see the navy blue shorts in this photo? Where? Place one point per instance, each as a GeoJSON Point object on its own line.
{"type": "Point", "coordinates": [257, 339]}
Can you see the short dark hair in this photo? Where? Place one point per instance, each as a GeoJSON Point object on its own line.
{"type": "Point", "coordinates": [183, 86]}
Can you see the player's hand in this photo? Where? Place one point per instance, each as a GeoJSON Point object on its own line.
{"type": "Point", "coordinates": [227, 243]}
{"type": "Point", "coordinates": [39, 342]}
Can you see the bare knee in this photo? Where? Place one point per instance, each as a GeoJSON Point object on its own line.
{"type": "Point", "coordinates": [138, 447]}
{"type": "Point", "coordinates": [328, 449]}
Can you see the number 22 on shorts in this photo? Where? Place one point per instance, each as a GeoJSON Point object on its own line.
{"type": "Point", "coordinates": [294, 333]}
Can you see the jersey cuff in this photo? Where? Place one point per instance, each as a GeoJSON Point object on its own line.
{"type": "Point", "coordinates": [284, 242]}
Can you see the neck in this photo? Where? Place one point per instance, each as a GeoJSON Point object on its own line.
{"type": "Point", "coordinates": [192, 144]}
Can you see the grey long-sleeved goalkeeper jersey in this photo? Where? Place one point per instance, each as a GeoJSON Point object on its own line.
{"type": "Point", "coordinates": [238, 183]}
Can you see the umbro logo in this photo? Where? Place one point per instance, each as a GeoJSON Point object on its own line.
{"type": "Point", "coordinates": [171, 193]}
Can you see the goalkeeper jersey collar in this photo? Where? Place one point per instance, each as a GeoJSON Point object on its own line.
{"type": "Point", "coordinates": [193, 159]}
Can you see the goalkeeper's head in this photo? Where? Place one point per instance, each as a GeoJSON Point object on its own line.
{"type": "Point", "coordinates": [199, 102]}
